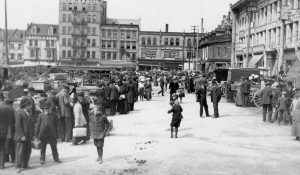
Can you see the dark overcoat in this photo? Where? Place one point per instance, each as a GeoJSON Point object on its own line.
{"type": "Point", "coordinates": [177, 116]}
{"type": "Point", "coordinates": [216, 94]}
{"type": "Point", "coordinates": [245, 87]}
{"type": "Point", "coordinates": [130, 93]}
{"type": "Point", "coordinates": [266, 96]}
{"type": "Point", "coordinates": [100, 93]}
{"type": "Point", "coordinates": [46, 122]}
{"type": "Point", "coordinates": [23, 126]}
{"type": "Point", "coordinates": [6, 114]}
{"type": "Point", "coordinates": [114, 93]}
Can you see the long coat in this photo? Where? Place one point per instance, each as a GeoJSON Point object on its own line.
{"type": "Point", "coordinates": [99, 126]}
{"type": "Point", "coordinates": [64, 108]}
{"type": "Point", "coordinates": [100, 93]}
{"type": "Point", "coordinates": [216, 94]}
{"type": "Point", "coordinates": [245, 87]}
{"type": "Point", "coordinates": [6, 115]}
{"type": "Point", "coordinates": [46, 122]}
{"type": "Point", "coordinates": [130, 93]}
{"type": "Point", "coordinates": [174, 86]}
{"type": "Point", "coordinates": [114, 93]}
{"type": "Point", "coordinates": [266, 96]}
{"type": "Point", "coordinates": [201, 94]}
{"type": "Point", "coordinates": [23, 126]}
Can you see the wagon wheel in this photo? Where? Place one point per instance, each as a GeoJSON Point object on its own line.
{"type": "Point", "coordinates": [257, 99]}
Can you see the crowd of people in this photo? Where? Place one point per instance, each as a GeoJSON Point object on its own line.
{"type": "Point", "coordinates": [60, 111]}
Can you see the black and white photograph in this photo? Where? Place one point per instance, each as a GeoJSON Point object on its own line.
{"type": "Point", "coordinates": [150, 87]}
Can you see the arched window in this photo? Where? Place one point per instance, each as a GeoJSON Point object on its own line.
{"type": "Point", "coordinates": [172, 41]}
{"type": "Point", "coordinates": [154, 41]}
{"type": "Point", "coordinates": [143, 41]}
{"type": "Point", "coordinates": [166, 41]}
{"type": "Point", "coordinates": [177, 41]}
{"type": "Point", "coordinates": [148, 41]}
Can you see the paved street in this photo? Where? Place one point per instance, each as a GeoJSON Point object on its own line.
{"type": "Point", "coordinates": [237, 143]}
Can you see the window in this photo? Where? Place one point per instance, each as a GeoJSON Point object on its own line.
{"type": "Point", "coordinates": [154, 41]}
{"type": "Point", "coordinates": [88, 54]}
{"type": "Point", "coordinates": [12, 46]}
{"type": "Point", "coordinates": [64, 54]}
{"type": "Point", "coordinates": [177, 41]}
{"type": "Point", "coordinates": [133, 46]}
{"type": "Point", "coordinates": [69, 30]}
{"type": "Point", "coordinates": [189, 55]}
{"type": "Point", "coordinates": [64, 41]}
{"type": "Point", "coordinates": [103, 33]}
{"type": "Point", "coordinates": [89, 18]}
{"type": "Point", "coordinates": [133, 57]}
{"type": "Point", "coordinates": [70, 17]}
{"type": "Point", "coordinates": [88, 30]}
{"type": "Point", "coordinates": [12, 56]}
{"type": "Point", "coordinates": [50, 31]}
{"type": "Point", "coordinates": [64, 6]}
{"type": "Point", "coordinates": [70, 6]}
{"type": "Point", "coordinates": [128, 35]}
{"type": "Point", "coordinates": [47, 43]}
{"type": "Point", "coordinates": [128, 45]}
{"type": "Point", "coordinates": [166, 55]}
{"type": "Point", "coordinates": [93, 54]}
{"type": "Point", "coordinates": [74, 53]}
{"type": "Point", "coordinates": [69, 53]}
{"type": "Point", "coordinates": [52, 43]}
{"type": "Point", "coordinates": [122, 45]}
{"type": "Point", "coordinates": [143, 41]}
{"type": "Point", "coordinates": [189, 42]}
{"type": "Point", "coordinates": [94, 19]}
{"type": "Point", "coordinates": [64, 18]}
{"type": "Point", "coordinates": [88, 41]}
{"type": "Point", "coordinates": [114, 44]}
{"type": "Point", "coordinates": [69, 41]}
{"type": "Point", "coordinates": [49, 53]}
{"type": "Point", "coordinates": [94, 43]}
{"type": "Point", "coordinates": [64, 30]}
{"type": "Point", "coordinates": [30, 43]}
{"type": "Point", "coordinates": [133, 35]}
{"type": "Point", "coordinates": [143, 54]}
{"type": "Point", "coordinates": [94, 30]}
{"type": "Point", "coordinates": [115, 35]}
{"type": "Point", "coordinates": [172, 55]}
{"type": "Point", "coordinates": [103, 44]}
{"type": "Point", "coordinates": [172, 41]}
{"type": "Point", "coordinates": [109, 34]}
{"type": "Point", "coordinates": [36, 43]}
{"type": "Point", "coordinates": [32, 53]}
{"type": "Point", "coordinates": [108, 55]}
{"type": "Point", "coordinates": [122, 34]}
{"type": "Point", "coordinates": [114, 55]}
{"type": "Point", "coordinates": [19, 56]}
{"type": "Point", "coordinates": [148, 41]}
{"type": "Point", "coordinates": [109, 44]}
{"type": "Point", "coordinates": [94, 7]}
{"type": "Point", "coordinates": [166, 41]}
{"type": "Point", "coordinates": [103, 56]}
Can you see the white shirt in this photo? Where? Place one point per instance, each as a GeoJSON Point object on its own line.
{"type": "Point", "coordinates": [78, 115]}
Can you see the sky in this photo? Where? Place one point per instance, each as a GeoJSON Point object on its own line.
{"type": "Point", "coordinates": [154, 14]}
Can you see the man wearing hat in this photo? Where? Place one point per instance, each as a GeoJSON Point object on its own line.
{"type": "Point", "coordinates": [24, 130]}
{"type": "Point", "coordinates": [216, 95]}
{"type": "Point", "coordinates": [113, 98]}
{"type": "Point", "coordinates": [245, 90]}
{"type": "Point", "coordinates": [266, 101]}
{"type": "Point", "coordinates": [174, 86]}
{"type": "Point", "coordinates": [85, 109]}
{"type": "Point", "coordinates": [10, 144]}
{"type": "Point", "coordinates": [46, 132]}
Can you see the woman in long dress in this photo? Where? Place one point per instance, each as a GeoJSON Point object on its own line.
{"type": "Point", "coordinates": [295, 108]}
{"type": "Point", "coordinates": [122, 102]}
{"type": "Point", "coordinates": [148, 90]}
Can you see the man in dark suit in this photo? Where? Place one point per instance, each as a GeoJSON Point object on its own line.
{"type": "Point", "coordinates": [245, 90]}
{"type": "Point", "coordinates": [201, 98]}
{"type": "Point", "coordinates": [114, 96]}
{"type": "Point", "coordinates": [162, 85]}
{"type": "Point", "coordinates": [24, 131]}
{"type": "Point", "coordinates": [46, 132]}
{"type": "Point", "coordinates": [106, 96]}
{"type": "Point", "coordinates": [216, 95]}
{"type": "Point", "coordinates": [5, 118]}
{"type": "Point", "coordinates": [266, 101]}
{"type": "Point", "coordinates": [174, 86]}
{"type": "Point", "coordinates": [64, 115]}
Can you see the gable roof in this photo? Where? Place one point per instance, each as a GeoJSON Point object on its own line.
{"type": "Point", "coordinates": [18, 35]}
{"type": "Point", "coordinates": [42, 29]}
{"type": "Point", "coordinates": [9, 31]}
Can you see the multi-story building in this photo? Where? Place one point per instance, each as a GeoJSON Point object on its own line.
{"type": "Point", "coordinates": [41, 44]}
{"type": "Point", "coordinates": [215, 47]}
{"type": "Point", "coordinates": [79, 31]}
{"type": "Point", "coordinates": [16, 48]}
{"type": "Point", "coordinates": [119, 44]}
{"type": "Point", "coordinates": [167, 50]}
{"type": "Point", "coordinates": [15, 40]}
{"type": "Point", "coordinates": [265, 34]}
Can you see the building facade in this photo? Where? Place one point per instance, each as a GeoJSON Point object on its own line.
{"type": "Point", "coordinates": [119, 45]}
{"type": "Point", "coordinates": [265, 34]}
{"type": "Point", "coordinates": [16, 47]}
{"type": "Point", "coordinates": [167, 50]}
{"type": "Point", "coordinates": [215, 47]}
{"type": "Point", "coordinates": [41, 44]}
{"type": "Point", "coordinates": [79, 31]}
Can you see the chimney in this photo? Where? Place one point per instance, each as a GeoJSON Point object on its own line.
{"type": "Point", "coordinates": [202, 25]}
{"type": "Point", "coordinates": [167, 27]}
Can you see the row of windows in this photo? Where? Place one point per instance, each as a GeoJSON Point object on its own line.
{"type": "Point", "coordinates": [79, 18]}
{"type": "Point", "coordinates": [76, 7]}
{"type": "Point", "coordinates": [14, 56]}
{"type": "Point", "coordinates": [36, 53]}
{"type": "Point", "coordinates": [114, 34]}
{"type": "Point", "coordinates": [77, 54]}
{"type": "Point", "coordinates": [79, 42]}
{"type": "Point", "coordinates": [113, 56]}
{"type": "Point", "coordinates": [167, 54]}
{"type": "Point", "coordinates": [167, 41]}
{"type": "Point", "coordinates": [84, 31]}
{"type": "Point", "coordinates": [16, 46]}
{"type": "Point", "coordinates": [37, 30]}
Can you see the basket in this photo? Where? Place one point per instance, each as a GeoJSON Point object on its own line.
{"type": "Point", "coordinates": [79, 132]}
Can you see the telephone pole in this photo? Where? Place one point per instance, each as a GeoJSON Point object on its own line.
{"type": "Point", "coordinates": [6, 36]}
{"type": "Point", "coordinates": [194, 29]}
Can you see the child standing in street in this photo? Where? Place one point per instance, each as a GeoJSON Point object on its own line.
{"type": "Point", "coordinates": [99, 127]}
{"type": "Point", "coordinates": [176, 118]}
{"type": "Point", "coordinates": [282, 106]}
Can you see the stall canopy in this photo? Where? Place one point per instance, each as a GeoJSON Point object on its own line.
{"type": "Point", "coordinates": [255, 60]}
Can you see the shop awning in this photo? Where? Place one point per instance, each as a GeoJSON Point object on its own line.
{"type": "Point", "coordinates": [255, 60]}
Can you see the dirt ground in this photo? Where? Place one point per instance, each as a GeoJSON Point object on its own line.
{"type": "Point", "coordinates": [238, 143]}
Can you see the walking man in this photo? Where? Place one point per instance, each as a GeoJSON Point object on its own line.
{"type": "Point", "coordinates": [216, 97]}
{"type": "Point", "coordinates": [266, 101]}
{"type": "Point", "coordinates": [162, 85]}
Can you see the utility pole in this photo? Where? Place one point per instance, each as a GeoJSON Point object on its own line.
{"type": "Point", "coordinates": [251, 9]}
{"type": "Point", "coordinates": [6, 36]}
{"type": "Point", "coordinates": [194, 29]}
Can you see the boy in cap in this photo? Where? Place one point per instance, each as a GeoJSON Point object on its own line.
{"type": "Point", "coordinates": [282, 106]}
{"type": "Point", "coordinates": [46, 132]}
